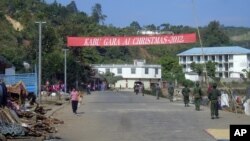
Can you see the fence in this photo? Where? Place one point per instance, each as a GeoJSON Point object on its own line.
{"type": "Point", "coordinates": [29, 79]}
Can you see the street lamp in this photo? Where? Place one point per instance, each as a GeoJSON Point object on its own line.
{"type": "Point", "coordinates": [78, 63]}
{"type": "Point", "coordinates": [40, 58]}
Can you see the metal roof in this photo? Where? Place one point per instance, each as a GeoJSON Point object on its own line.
{"type": "Point", "coordinates": [215, 51]}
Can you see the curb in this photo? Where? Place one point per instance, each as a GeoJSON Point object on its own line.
{"type": "Point", "coordinates": [51, 113]}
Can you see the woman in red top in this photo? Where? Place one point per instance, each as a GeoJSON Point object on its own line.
{"type": "Point", "coordinates": [74, 99]}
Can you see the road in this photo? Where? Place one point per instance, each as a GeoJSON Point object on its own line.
{"type": "Point", "coordinates": [124, 116]}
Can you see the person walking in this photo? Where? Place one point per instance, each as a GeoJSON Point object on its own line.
{"type": "Point", "coordinates": [213, 97]}
{"type": "Point", "coordinates": [74, 100]}
{"type": "Point", "coordinates": [197, 94]}
{"type": "Point", "coordinates": [171, 91]}
{"type": "Point", "coordinates": [137, 89]}
{"type": "Point", "coordinates": [88, 89]}
{"type": "Point", "coordinates": [157, 91]}
{"type": "Point", "coordinates": [185, 92]}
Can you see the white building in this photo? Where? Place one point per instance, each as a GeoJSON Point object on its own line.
{"type": "Point", "coordinates": [230, 60]}
{"type": "Point", "coordinates": [139, 71]}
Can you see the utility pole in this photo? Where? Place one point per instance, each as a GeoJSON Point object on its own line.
{"type": "Point", "coordinates": [40, 59]}
{"type": "Point", "coordinates": [65, 69]}
{"type": "Point", "coordinates": [201, 44]}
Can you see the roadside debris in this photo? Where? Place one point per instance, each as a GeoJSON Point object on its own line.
{"type": "Point", "coordinates": [21, 118]}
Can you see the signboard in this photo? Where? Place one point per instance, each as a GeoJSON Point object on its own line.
{"type": "Point", "coordinates": [130, 40]}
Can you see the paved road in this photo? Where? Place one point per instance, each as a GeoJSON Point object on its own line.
{"type": "Point", "coordinates": [124, 116]}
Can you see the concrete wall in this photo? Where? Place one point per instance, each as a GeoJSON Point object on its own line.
{"type": "Point", "coordinates": [192, 77]}
{"type": "Point", "coordinates": [239, 63]}
{"type": "Point", "coordinates": [130, 83]}
{"type": "Point", "coordinates": [140, 72]}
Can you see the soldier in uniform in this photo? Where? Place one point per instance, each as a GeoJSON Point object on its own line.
{"type": "Point", "coordinates": [213, 97]}
{"type": "Point", "coordinates": [171, 91]}
{"type": "Point", "coordinates": [185, 92]}
{"type": "Point", "coordinates": [157, 91]}
{"type": "Point", "coordinates": [197, 94]}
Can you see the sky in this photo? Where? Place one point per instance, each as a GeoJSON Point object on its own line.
{"type": "Point", "coordinates": [120, 13]}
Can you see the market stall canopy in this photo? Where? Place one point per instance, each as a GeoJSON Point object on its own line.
{"type": "Point", "coordinates": [17, 88]}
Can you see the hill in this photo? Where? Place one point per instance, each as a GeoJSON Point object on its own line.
{"type": "Point", "coordinates": [19, 37]}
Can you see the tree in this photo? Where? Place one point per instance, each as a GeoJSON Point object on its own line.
{"type": "Point", "coordinates": [72, 7]}
{"type": "Point", "coordinates": [97, 15]}
{"type": "Point", "coordinates": [135, 25]}
{"type": "Point", "coordinates": [247, 74]}
{"type": "Point", "coordinates": [165, 27]}
{"type": "Point", "coordinates": [211, 68]}
{"type": "Point", "coordinates": [150, 27]}
{"type": "Point", "coordinates": [111, 78]}
{"type": "Point", "coordinates": [213, 35]}
{"type": "Point", "coordinates": [198, 68]}
{"type": "Point", "coordinates": [171, 70]}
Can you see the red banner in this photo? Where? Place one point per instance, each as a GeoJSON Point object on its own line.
{"type": "Point", "coordinates": [131, 40]}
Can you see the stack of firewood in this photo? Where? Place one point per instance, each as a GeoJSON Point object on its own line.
{"type": "Point", "coordinates": [27, 123]}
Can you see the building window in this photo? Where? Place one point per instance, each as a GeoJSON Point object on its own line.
{"type": "Point", "coordinates": [184, 58]}
{"type": "Point", "coordinates": [107, 70]}
{"type": "Point", "coordinates": [198, 58]}
{"type": "Point", "coordinates": [146, 70]}
{"type": "Point", "coordinates": [231, 57]}
{"type": "Point", "coordinates": [191, 58]}
{"type": "Point", "coordinates": [220, 58]}
{"type": "Point", "coordinates": [119, 71]}
{"type": "Point", "coordinates": [213, 58]}
{"type": "Point", "coordinates": [220, 75]}
{"type": "Point", "coordinates": [156, 70]}
{"type": "Point", "coordinates": [206, 58]}
{"type": "Point", "coordinates": [133, 70]}
{"type": "Point", "coordinates": [226, 75]}
{"type": "Point", "coordinates": [231, 65]}
{"type": "Point", "coordinates": [248, 57]}
{"type": "Point", "coordinates": [226, 67]}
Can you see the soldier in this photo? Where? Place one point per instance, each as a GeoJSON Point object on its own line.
{"type": "Point", "coordinates": [185, 92]}
{"type": "Point", "coordinates": [171, 91]}
{"type": "Point", "coordinates": [157, 91]}
{"type": "Point", "coordinates": [213, 96]}
{"type": "Point", "coordinates": [197, 94]}
{"type": "Point", "coordinates": [136, 89]}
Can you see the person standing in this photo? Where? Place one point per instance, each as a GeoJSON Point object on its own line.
{"type": "Point", "coordinates": [88, 89]}
{"type": "Point", "coordinates": [247, 94]}
{"type": "Point", "coordinates": [171, 91]}
{"type": "Point", "coordinates": [197, 94]}
{"type": "Point", "coordinates": [142, 87]}
{"type": "Point", "coordinates": [157, 91]}
{"type": "Point", "coordinates": [4, 93]}
{"type": "Point", "coordinates": [74, 100]}
{"type": "Point", "coordinates": [213, 97]}
{"type": "Point", "coordinates": [137, 89]}
{"type": "Point", "coordinates": [185, 92]}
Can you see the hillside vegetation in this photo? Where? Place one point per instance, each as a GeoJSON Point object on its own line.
{"type": "Point", "coordinates": [19, 38]}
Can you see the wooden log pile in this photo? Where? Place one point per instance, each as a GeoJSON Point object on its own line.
{"type": "Point", "coordinates": [27, 123]}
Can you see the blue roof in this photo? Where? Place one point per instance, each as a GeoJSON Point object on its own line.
{"type": "Point", "coordinates": [215, 51]}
